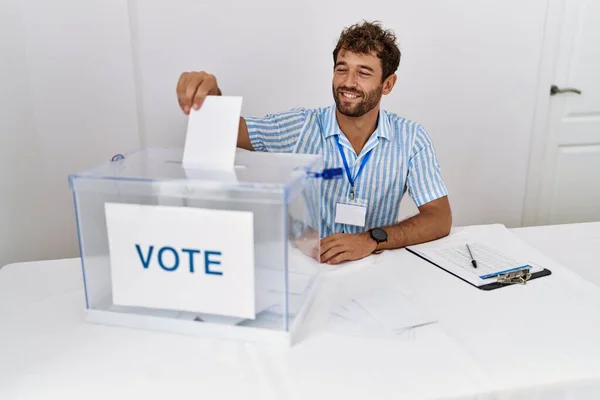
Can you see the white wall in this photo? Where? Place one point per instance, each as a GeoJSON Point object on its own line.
{"type": "Point", "coordinates": [468, 74]}
{"type": "Point", "coordinates": [19, 150]}
{"type": "Point", "coordinates": [80, 78]}
{"type": "Point", "coordinates": [67, 102]}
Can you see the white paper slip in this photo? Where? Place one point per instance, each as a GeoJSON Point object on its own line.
{"type": "Point", "coordinates": [355, 313]}
{"type": "Point", "coordinates": [343, 326]}
{"type": "Point", "coordinates": [212, 132]}
{"type": "Point", "coordinates": [393, 310]}
{"type": "Point", "coordinates": [225, 175]}
{"type": "Point", "coordinates": [384, 312]}
{"type": "Point", "coordinates": [274, 280]}
{"type": "Point", "coordinates": [271, 288]}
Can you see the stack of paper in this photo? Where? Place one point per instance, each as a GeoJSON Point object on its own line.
{"type": "Point", "coordinates": [270, 289]}
{"type": "Point", "coordinates": [385, 312]}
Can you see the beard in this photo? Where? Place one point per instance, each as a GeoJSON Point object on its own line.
{"type": "Point", "coordinates": [367, 102]}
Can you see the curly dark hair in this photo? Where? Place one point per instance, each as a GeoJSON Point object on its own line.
{"type": "Point", "coordinates": [366, 37]}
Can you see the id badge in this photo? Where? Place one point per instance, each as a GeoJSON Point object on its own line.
{"type": "Point", "coordinates": [351, 212]}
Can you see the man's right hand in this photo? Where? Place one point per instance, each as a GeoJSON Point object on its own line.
{"type": "Point", "coordinates": [193, 87]}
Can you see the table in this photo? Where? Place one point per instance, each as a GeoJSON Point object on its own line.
{"type": "Point", "coordinates": [541, 340]}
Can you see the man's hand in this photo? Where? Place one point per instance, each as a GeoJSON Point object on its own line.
{"type": "Point", "coordinates": [193, 87]}
{"type": "Point", "coordinates": [346, 247]}
{"type": "Point", "coordinates": [308, 244]}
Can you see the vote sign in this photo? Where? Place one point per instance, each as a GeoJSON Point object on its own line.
{"type": "Point", "coordinates": [182, 258]}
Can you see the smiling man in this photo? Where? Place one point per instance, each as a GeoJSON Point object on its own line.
{"type": "Point", "coordinates": [383, 154]}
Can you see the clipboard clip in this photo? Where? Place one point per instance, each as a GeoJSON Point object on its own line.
{"type": "Point", "coordinates": [519, 277]}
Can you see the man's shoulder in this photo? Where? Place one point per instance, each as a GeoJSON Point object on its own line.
{"type": "Point", "coordinates": [317, 112]}
{"type": "Point", "coordinates": [306, 112]}
{"type": "Point", "coordinates": [403, 126]}
{"type": "Point", "coordinates": [410, 134]}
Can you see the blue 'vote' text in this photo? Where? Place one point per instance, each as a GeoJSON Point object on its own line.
{"type": "Point", "coordinates": [169, 258]}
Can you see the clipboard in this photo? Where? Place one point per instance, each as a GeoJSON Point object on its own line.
{"type": "Point", "coordinates": [510, 278]}
{"type": "Point", "coordinates": [499, 253]}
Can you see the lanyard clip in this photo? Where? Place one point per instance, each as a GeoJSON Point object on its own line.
{"type": "Point", "coordinates": [327, 174]}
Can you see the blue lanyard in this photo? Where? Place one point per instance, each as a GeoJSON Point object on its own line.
{"type": "Point", "coordinates": [348, 174]}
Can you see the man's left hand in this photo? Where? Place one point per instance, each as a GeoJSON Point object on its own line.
{"type": "Point", "coordinates": [346, 247]}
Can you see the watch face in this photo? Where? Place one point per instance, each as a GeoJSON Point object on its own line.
{"type": "Point", "coordinates": [379, 235]}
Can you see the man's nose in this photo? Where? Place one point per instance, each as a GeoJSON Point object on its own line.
{"type": "Point", "coordinates": [350, 80]}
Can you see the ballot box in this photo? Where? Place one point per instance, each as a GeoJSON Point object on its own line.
{"type": "Point", "coordinates": [227, 253]}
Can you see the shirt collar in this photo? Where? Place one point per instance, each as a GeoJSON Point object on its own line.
{"type": "Point", "coordinates": [332, 128]}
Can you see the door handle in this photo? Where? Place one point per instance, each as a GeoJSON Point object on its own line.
{"type": "Point", "coordinates": [556, 90]}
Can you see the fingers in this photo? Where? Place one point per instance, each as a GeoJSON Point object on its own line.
{"type": "Point", "coordinates": [193, 87]}
{"type": "Point", "coordinates": [329, 246]}
{"type": "Point", "coordinates": [327, 243]}
{"type": "Point", "coordinates": [207, 87]}
{"type": "Point", "coordinates": [341, 257]}
{"type": "Point", "coordinates": [315, 253]}
{"type": "Point", "coordinates": [332, 252]}
{"type": "Point", "coordinates": [340, 247]}
{"type": "Point", "coordinates": [331, 239]}
{"type": "Point", "coordinates": [181, 91]}
{"type": "Point", "coordinates": [308, 250]}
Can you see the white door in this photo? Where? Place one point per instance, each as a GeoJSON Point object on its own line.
{"type": "Point", "coordinates": [569, 180]}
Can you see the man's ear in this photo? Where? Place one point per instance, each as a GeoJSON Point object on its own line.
{"type": "Point", "coordinates": [389, 83]}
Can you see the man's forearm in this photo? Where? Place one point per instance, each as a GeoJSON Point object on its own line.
{"type": "Point", "coordinates": [424, 227]}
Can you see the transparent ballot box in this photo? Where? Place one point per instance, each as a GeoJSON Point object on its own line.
{"type": "Point", "coordinates": [225, 253]}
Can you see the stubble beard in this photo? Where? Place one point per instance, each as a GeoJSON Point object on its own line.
{"type": "Point", "coordinates": [367, 103]}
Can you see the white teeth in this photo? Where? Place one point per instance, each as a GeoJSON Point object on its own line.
{"type": "Point", "coordinates": [350, 96]}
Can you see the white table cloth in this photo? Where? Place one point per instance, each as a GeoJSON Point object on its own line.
{"type": "Point", "coordinates": [541, 340]}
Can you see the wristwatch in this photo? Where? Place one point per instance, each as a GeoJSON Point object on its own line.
{"type": "Point", "coordinates": [380, 236]}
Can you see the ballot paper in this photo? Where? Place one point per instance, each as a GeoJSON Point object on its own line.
{"type": "Point", "coordinates": [274, 280]}
{"type": "Point", "coordinates": [384, 312]}
{"type": "Point", "coordinates": [271, 288]}
{"type": "Point", "coordinates": [212, 131]}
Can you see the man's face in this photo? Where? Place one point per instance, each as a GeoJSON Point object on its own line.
{"type": "Point", "coordinates": [357, 86]}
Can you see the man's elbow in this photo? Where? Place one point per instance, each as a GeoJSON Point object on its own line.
{"type": "Point", "coordinates": [445, 224]}
{"type": "Point", "coordinates": [442, 222]}
{"type": "Point", "coordinates": [440, 217]}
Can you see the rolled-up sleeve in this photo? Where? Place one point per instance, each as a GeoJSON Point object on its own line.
{"type": "Point", "coordinates": [277, 133]}
{"type": "Point", "coordinates": [425, 181]}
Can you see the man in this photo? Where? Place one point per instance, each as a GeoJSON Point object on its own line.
{"type": "Point", "coordinates": [383, 155]}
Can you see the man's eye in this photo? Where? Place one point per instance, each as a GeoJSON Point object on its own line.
{"type": "Point", "coordinates": [365, 74]}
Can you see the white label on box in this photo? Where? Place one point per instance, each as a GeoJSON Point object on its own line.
{"type": "Point", "coordinates": [182, 258]}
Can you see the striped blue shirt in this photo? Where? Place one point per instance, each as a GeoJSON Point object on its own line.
{"type": "Point", "coordinates": [403, 159]}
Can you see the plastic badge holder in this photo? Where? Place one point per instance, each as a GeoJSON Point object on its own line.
{"type": "Point", "coordinates": [283, 193]}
